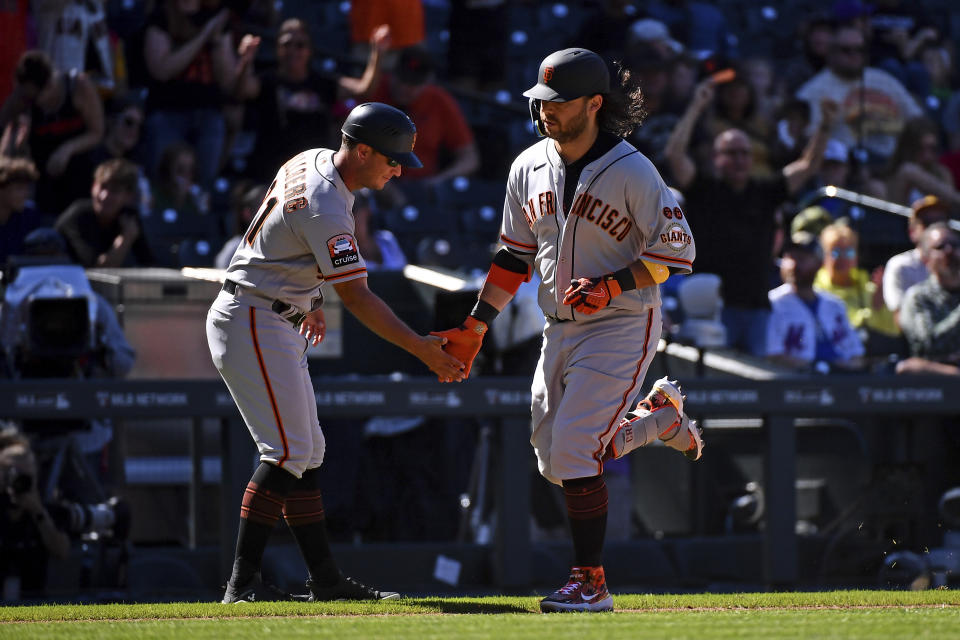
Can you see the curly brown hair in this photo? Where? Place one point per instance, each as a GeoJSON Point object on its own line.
{"type": "Point", "coordinates": [622, 110]}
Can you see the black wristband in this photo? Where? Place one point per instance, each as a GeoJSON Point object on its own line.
{"type": "Point", "coordinates": [625, 279]}
{"type": "Point", "coordinates": [484, 312]}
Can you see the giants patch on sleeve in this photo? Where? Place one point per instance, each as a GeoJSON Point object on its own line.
{"type": "Point", "coordinates": [343, 250]}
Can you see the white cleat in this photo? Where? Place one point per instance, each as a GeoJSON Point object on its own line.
{"type": "Point", "coordinates": [659, 415]}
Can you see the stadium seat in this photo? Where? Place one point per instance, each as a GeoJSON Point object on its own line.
{"type": "Point", "coordinates": [481, 223]}
{"type": "Point", "coordinates": [699, 296]}
{"type": "Point", "coordinates": [196, 252]}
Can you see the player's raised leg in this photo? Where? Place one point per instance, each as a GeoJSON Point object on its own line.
{"type": "Point", "coordinates": [659, 415]}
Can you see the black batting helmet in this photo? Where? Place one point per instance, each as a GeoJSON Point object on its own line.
{"type": "Point", "coordinates": [569, 74]}
{"type": "Point", "coordinates": [386, 129]}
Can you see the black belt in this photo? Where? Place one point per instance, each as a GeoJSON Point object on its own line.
{"type": "Point", "coordinates": [556, 319]}
{"type": "Point", "coordinates": [279, 307]}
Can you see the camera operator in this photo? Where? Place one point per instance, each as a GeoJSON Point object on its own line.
{"type": "Point", "coordinates": [29, 535]}
{"type": "Point", "coordinates": [111, 355]}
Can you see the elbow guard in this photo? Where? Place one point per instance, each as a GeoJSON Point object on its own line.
{"type": "Point", "coordinates": [658, 272]}
{"type": "Point", "coordinates": [508, 272]}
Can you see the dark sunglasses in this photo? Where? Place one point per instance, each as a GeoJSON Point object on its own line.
{"type": "Point", "coordinates": [298, 44]}
{"type": "Point", "coordinates": [849, 252]}
{"type": "Point", "coordinates": [850, 50]}
{"type": "Point", "coordinates": [953, 243]}
{"type": "Point", "coordinates": [130, 121]}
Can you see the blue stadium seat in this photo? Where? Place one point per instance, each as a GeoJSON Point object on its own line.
{"type": "Point", "coordinates": [462, 192]}
{"type": "Point", "coordinates": [166, 230]}
{"type": "Point", "coordinates": [196, 252]}
{"type": "Point", "coordinates": [482, 223]}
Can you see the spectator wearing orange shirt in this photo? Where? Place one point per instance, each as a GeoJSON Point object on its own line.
{"type": "Point", "coordinates": [442, 129]}
{"type": "Point", "coordinates": [405, 18]}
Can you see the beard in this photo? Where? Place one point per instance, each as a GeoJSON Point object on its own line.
{"type": "Point", "coordinates": [571, 131]}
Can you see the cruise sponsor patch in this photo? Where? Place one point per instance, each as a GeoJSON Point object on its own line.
{"type": "Point", "coordinates": [343, 250]}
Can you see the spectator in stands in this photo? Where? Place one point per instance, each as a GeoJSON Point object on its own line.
{"type": "Point", "coordinates": [16, 25]}
{"type": "Point", "coordinates": [873, 104]}
{"type": "Point", "coordinates": [837, 171]}
{"type": "Point", "coordinates": [604, 29]}
{"type": "Point", "coordinates": [898, 31]}
{"type": "Point", "coordinates": [648, 33]}
{"type": "Point", "coordinates": [700, 27]}
{"type": "Point", "coordinates": [813, 220]}
{"type": "Point", "coordinates": [75, 36]}
{"type": "Point", "coordinates": [18, 217]}
{"type": "Point", "coordinates": [735, 107]}
{"type": "Point", "coordinates": [791, 123]}
{"type": "Point", "coordinates": [65, 120]}
{"type": "Point", "coordinates": [124, 122]}
{"type": "Point", "coordinates": [815, 35]}
{"type": "Point", "coordinates": [907, 269]}
{"type": "Point", "coordinates": [245, 200]}
{"type": "Point", "coordinates": [951, 127]}
{"type": "Point", "coordinates": [379, 247]}
{"type": "Point", "coordinates": [930, 316]}
{"type": "Point", "coordinates": [191, 67]}
{"type": "Point", "coordinates": [106, 230]}
{"type": "Point", "coordinates": [441, 125]}
{"type": "Point", "coordinates": [404, 17]}
{"type": "Point", "coordinates": [651, 67]}
{"type": "Point", "coordinates": [684, 74]}
{"type": "Point", "coordinates": [758, 72]}
{"type": "Point", "coordinates": [937, 60]}
{"type": "Point", "coordinates": [293, 103]}
{"type": "Point", "coordinates": [862, 293]}
{"type": "Point", "coordinates": [809, 328]}
{"type": "Point", "coordinates": [914, 169]}
{"type": "Point", "coordinates": [737, 216]}
{"type": "Point", "coordinates": [176, 185]}
{"type": "Point", "coordinates": [29, 535]}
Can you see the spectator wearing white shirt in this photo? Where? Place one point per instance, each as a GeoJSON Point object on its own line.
{"type": "Point", "coordinates": [873, 104]}
{"type": "Point", "coordinates": [907, 269]}
{"type": "Point", "coordinates": [809, 329]}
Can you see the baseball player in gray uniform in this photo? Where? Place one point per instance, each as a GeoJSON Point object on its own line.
{"type": "Point", "coordinates": [593, 217]}
{"type": "Point", "coordinates": [260, 324]}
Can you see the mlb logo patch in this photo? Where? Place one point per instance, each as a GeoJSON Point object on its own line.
{"type": "Point", "coordinates": [343, 250]}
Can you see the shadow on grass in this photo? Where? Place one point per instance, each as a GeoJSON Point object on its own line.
{"type": "Point", "coordinates": [447, 606]}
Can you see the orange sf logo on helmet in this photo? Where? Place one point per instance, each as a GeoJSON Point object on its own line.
{"type": "Point", "coordinates": [547, 74]}
{"type": "Point", "coordinates": [413, 142]}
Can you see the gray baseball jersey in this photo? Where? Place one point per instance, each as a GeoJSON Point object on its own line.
{"type": "Point", "coordinates": [301, 237]}
{"type": "Point", "coordinates": [591, 367]}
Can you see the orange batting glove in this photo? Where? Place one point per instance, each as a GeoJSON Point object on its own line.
{"type": "Point", "coordinates": [589, 295]}
{"type": "Point", "coordinates": [464, 342]}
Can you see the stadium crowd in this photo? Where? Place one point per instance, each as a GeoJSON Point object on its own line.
{"type": "Point", "coordinates": [144, 133]}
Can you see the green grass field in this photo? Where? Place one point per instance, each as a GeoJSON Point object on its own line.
{"type": "Point", "coordinates": [877, 615]}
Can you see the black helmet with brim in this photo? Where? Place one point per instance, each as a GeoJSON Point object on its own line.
{"type": "Point", "coordinates": [387, 129]}
{"type": "Point", "coordinates": [569, 74]}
